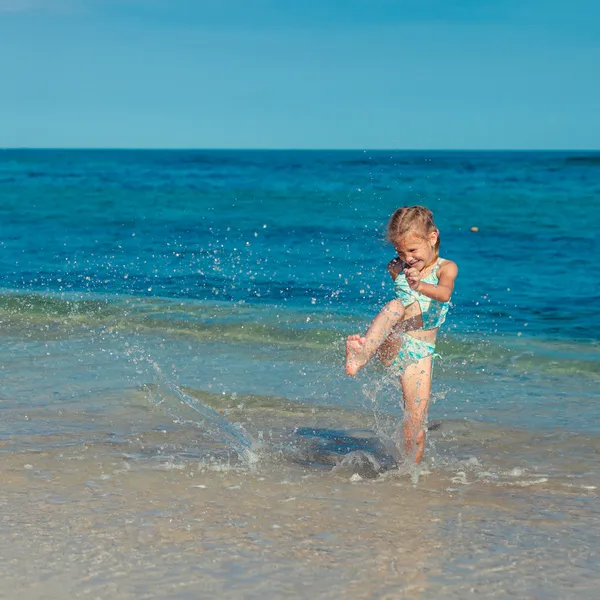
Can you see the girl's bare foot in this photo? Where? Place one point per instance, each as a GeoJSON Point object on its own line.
{"type": "Point", "coordinates": [355, 355]}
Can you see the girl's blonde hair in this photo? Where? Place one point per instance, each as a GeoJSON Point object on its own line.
{"type": "Point", "coordinates": [412, 219]}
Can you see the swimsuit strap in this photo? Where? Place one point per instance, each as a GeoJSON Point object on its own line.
{"type": "Point", "coordinates": [433, 271]}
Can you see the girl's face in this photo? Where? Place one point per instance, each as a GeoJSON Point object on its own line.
{"type": "Point", "coordinates": [416, 251]}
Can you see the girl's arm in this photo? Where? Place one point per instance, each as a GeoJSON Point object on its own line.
{"type": "Point", "coordinates": [401, 287]}
{"type": "Point", "coordinates": [395, 267]}
{"type": "Point", "coordinates": [442, 292]}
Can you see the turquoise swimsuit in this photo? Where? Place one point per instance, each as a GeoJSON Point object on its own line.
{"type": "Point", "coordinates": [433, 314]}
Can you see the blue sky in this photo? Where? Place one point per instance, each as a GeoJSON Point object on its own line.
{"type": "Point", "coordinates": [416, 74]}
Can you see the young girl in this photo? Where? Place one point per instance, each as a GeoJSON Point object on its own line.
{"type": "Point", "coordinates": [403, 334]}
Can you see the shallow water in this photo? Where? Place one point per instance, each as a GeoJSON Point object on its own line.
{"type": "Point", "coordinates": [175, 419]}
{"type": "Point", "coordinates": [149, 515]}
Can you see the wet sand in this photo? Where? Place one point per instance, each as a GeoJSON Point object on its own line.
{"type": "Point", "coordinates": [148, 516]}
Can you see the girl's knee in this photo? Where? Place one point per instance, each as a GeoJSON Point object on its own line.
{"type": "Point", "coordinates": [420, 437]}
{"type": "Point", "coordinates": [395, 307]}
{"type": "Point", "coordinates": [396, 304]}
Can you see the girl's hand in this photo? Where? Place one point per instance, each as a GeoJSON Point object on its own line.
{"type": "Point", "coordinates": [395, 267]}
{"type": "Point", "coordinates": [413, 278]}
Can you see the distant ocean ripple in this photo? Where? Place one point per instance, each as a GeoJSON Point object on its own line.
{"type": "Point", "coordinates": [286, 249]}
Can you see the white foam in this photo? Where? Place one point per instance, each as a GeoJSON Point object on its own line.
{"type": "Point", "coordinates": [531, 482]}
{"type": "Point", "coordinates": [460, 477]}
{"type": "Point", "coordinates": [516, 472]}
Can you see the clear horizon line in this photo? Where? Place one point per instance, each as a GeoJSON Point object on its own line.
{"type": "Point", "coordinates": [275, 149]}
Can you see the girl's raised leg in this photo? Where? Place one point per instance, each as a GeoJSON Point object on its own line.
{"type": "Point", "coordinates": [359, 350]}
{"type": "Point", "coordinates": [388, 351]}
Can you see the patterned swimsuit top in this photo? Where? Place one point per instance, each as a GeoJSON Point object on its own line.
{"type": "Point", "coordinates": [433, 312]}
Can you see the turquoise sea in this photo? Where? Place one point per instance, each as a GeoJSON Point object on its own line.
{"type": "Point", "coordinates": [172, 327]}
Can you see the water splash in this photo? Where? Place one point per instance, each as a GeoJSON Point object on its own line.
{"type": "Point", "coordinates": [387, 426]}
{"type": "Point", "coordinates": [211, 421]}
{"type": "Point", "coordinates": [381, 394]}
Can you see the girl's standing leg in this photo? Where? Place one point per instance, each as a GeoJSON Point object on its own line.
{"type": "Point", "coordinates": [416, 389]}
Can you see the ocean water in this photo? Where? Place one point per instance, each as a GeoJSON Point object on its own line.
{"type": "Point", "coordinates": [175, 417]}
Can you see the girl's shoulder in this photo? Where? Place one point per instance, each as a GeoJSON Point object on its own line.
{"type": "Point", "coordinates": [448, 267]}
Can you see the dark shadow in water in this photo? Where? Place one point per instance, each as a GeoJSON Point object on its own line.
{"type": "Point", "coordinates": [585, 159]}
{"type": "Point", "coordinates": [349, 453]}
{"type": "Point", "coordinates": [358, 452]}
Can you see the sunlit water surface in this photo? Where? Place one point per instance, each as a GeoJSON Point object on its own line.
{"type": "Point", "coordinates": [175, 419]}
